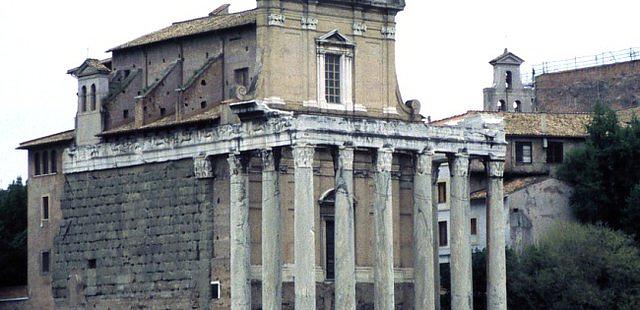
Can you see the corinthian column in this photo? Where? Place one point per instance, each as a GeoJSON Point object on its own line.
{"type": "Point", "coordinates": [383, 229]}
{"type": "Point", "coordinates": [461, 276]}
{"type": "Point", "coordinates": [435, 172]}
{"type": "Point", "coordinates": [271, 233]}
{"type": "Point", "coordinates": [239, 224]}
{"type": "Point", "coordinates": [345, 289]}
{"type": "Point", "coordinates": [304, 231]}
{"type": "Point", "coordinates": [423, 234]}
{"type": "Point", "coordinates": [496, 260]}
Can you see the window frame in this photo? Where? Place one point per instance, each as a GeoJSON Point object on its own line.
{"type": "Point", "coordinates": [44, 254]}
{"type": "Point", "coordinates": [443, 242]}
{"type": "Point", "coordinates": [473, 229]}
{"type": "Point", "coordinates": [519, 152]}
{"type": "Point", "coordinates": [442, 192]}
{"type": "Point", "coordinates": [555, 155]}
{"type": "Point", "coordinates": [44, 216]}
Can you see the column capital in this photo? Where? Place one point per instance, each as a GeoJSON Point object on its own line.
{"type": "Point", "coordinates": [303, 155]}
{"type": "Point", "coordinates": [495, 168]}
{"type": "Point", "coordinates": [424, 162]}
{"type": "Point", "coordinates": [385, 159]}
{"type": "Point", "coordinates": [345, 157]}
{"type": "Point", "coordinates": [235, 163]}
{"type": "Point", "coordinates": [269, 159]}
{"type": "Point", "coordinates": [459, 164]}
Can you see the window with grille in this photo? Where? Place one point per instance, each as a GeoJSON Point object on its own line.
{"type": "Point", "coordinates": [523, 153]}
{"type": "Point", "coordinates": [332, 78]}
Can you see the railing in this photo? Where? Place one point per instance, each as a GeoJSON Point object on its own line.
{"type": "Point", "coordinates": [604, 58]}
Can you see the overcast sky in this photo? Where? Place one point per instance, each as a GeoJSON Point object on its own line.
{"type": "Point", "coordinates": [443, 49]}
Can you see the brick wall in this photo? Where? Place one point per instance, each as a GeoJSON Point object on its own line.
{"type": "Point", "coordinates": [138, 236]}
{"type": "Point", "coordinates": [616, 85]}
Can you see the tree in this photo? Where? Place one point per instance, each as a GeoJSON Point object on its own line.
{"type": "Point", "coordinates": [604, 171]}
{"type": "Point", "coordinates": [576, 267]}
{"type": "Point", "coordinates": [13, 234]}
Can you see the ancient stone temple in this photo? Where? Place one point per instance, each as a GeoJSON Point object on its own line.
{"type": "Point", "coordinates": [260, 159]}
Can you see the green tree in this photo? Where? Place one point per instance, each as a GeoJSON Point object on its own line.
{"type": "Point", "coordinates": [13, 234]}
{"type": "Point", "coordinates": [576, 267]}
{"type": "Point", "coordinates": [604, 171]}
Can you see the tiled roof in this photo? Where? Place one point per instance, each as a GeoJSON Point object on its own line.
{"type": "Point", "coordinates": [65, 136]}
{"type": "Point", "coordinates": [533, 124]}
{"type": "Point", "coordinates": [193, 27]}
{"type": "Point", "coordinates": [624, 116]}
{"type": "Point", "coordinates": [511, 186]}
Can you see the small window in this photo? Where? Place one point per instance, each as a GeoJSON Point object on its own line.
{"type": "Point", "coordinates": [54, 162]}
{"type": "Point", "coordinates": [332, 77]}
{"type": "Point", "coordinates": [502, 106]}
{"type": "Point", "coordinates": [203, 83]}
{"type": "Point", "coordinates": [83, 99]}
{"type": "Point", "coordinates": [45, 162]}
{"type": "Point", "coordinates": [93, 97]}
{"type": "Point", "coordinates": [163, 111]}
{"type": "Point", "coordinates": [474, 227]}
{"type": "Point", "coordinates": [330, 266]}
{"type": "Point", "coordinates": [508, 79]}
{"type": "Point", "coordinates": [241, 76]}
{"type": "Point", "coordinates": [91, 263]}
{"type": "Point", "coordinates": [517, 106]}
{"type": "Point", "coordinates": [442, 234]}
{"type": "Point", "coordinates": [215, 290]}
{"type": "Point", "coordinates": [45, 207]}
{"type": "Point", "coordinates": [442, 192]}
{"type": "Point", "coordinates": [555, 152]}
{"type": "Point", "coordinates": [45, 262]}
{"type": "Point", "coordinates": [203, 104]}
{"type": "Point", "coordinates": [125, 114]}
{"type": "Point", "coordinates": [523, 153]}
{"type": "Point", "coordinates": [36, 163]}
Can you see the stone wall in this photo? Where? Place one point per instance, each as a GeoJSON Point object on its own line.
{"type": "Point", "coordinates": [135, 237]}
{"type": "Point", "coordinates": [616, 85]}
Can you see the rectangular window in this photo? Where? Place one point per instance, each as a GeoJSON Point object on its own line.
{"type": "Point", "coordinates": [54, 163]}
{"type": "Point", "coordinates": [523, 153]}
{"type": "Point", "coordinates": [45, 262]}
{"type": "Point", "coordinates": [92, 263]}
{"type": "Point", "coordinates": [215, 290]}
{"type": "Point", "coordinates": [45, 162]}
{"type": "Point", "coordinates": [330, 249]}
{"type": "Point", "coordinates": [163, 111]}
{"type": "Point", "coordinates": [45, 207]}
{"type": "Point", "coordinates": [555, 152]}
{"type": "Point", "coordinates": [125, 114]}
{"type": "Point", "coordinates": [332, 77]}
{"type": "Point", "coordinates": [241, 76]}
{"type": "Point", "coordinates": [36, 163]}
{"type": "Point", "coordinates": [474, 226]}
{"type": "Point", "coordinates": [442, 234]}
{"type": "Point", "coordinates": [442, 192]}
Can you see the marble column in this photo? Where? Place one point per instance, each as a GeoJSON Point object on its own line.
{"type": "Point", "coordinates": [239, 233]}
{"type": "Point", "coordinates": [383, 230]}
{"type": "Point", "coordinates": [423, 233]}
{"type": "Point", "coordinates": [345, 253]}
{"type": "Point", "coordinates": [496, 256]}
{"type": "Point", "coordinates": [271, 232]}
{"type": "Point", "coordinates": [461, 276]}
{"type": "Point", "coordinates": [304, 231]}
{"type": "Point", "coordinates": [435, 172]}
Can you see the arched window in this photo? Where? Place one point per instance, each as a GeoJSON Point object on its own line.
{"type": "Point", "coordinates": [36, 163]}
{"type": "Point", "coordinates": [93, 97]}
{"type": "Point", "coordinates": [54, 164]}
{"type": "Point", "coordinates": [508, 79]}
{"type": "Point", "coordinates": [327, 214]}
{"type": "Point", "coordinates": [45, 162]}
{"type": "Point", "coordinates": [517, 106]}
{"type": "Point", "coordinates": [502, 106]}
{"type": "Point", "coordinates": [83, 99]}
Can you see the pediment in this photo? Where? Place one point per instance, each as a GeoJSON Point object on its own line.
{"type": "Point", "coordinates": [90, 67]}
{"type": "Point", "coordinates": [335, 37]}
{"type": "Point", "coordinates": [507, 58]}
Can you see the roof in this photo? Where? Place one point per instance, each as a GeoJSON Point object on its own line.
{"type": "Point", "coordinates": [512, 186]}
{"type": "Point", "coordinates": [193, 27]}
{"type": "Point", "coordinates": [624, 116]}
{"type": "Point", "coordinates": [508, 58]}
{"type": "Point", "coordinates": [91, 66]}
{"type": "Point", "coordinates": [61, 137]}
{"type": "Point", "coordinates": [533, 124]}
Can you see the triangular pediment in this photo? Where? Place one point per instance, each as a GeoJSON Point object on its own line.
{"type": "Point", "coordinates": [334, 37]}
{"type": "Point", "coordinates": [90, 67]}
{"type": "Point", "coordinates": [507, 58]}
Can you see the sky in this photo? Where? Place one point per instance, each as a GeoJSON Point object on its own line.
{"type": "Point", "coordinates": [442, 50]}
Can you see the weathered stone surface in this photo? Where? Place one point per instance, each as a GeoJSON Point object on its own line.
{"type": "Point", "coordinates": [345, 286]}
{"type": "Point", "coordinates": [239, 233]}
{"type": "Point", "coordinates": [461, 275]}
{"type": "Point", "coordinates": [496, 257]}
{"type": "Point", "coordinates": [271, 231]}
{"type": "Point", "coordinates": [423, 233]}
{"type": "Point", "coordinates": [383, 230]}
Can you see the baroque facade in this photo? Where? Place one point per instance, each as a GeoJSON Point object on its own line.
{"type": "Point", "coordinates": [260, 159]}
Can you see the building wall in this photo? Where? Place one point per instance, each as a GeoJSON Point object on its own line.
{"type": "Point", "coordinates": [538, 163]}
{"type": "Point", "coordinates": [615, 85]}
{"type": "Point", "coordinates": [41, 232]}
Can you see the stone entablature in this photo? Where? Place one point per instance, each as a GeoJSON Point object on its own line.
{"type": "Point", "coordinates": [284, 131]}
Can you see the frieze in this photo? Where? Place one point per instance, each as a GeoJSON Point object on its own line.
{"type": "Point", "coordinates": [388, 32]}
{"type": "Point", "coordinates": [202, 167]}
{"type": "Point", "coordinates": [276, 19]}
{"type": "Point", "coordinates": [359, 28]}
{"type": "Point", "coordinates": [309, 23]}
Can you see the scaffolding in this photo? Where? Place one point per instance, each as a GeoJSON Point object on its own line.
{"type": "Point", "coordinates": [604, 58]}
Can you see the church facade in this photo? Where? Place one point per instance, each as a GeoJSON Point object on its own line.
{"type": "Point", "coordinates": [260, 159]}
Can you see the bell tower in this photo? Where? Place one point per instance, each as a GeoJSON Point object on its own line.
{"type": "Point", "coordinates": [508, 94]}
{"type": "Point", "coordinates": [93, 87]}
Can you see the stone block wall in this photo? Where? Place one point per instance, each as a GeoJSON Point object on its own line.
{"type": "Point", "coordinates": [135, 237]}
{"type": "Point", "coordinates": [616, 85]}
